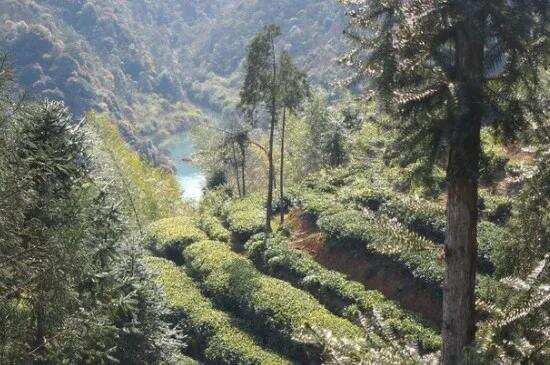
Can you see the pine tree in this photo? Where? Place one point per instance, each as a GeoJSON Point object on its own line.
{"type": "Point", "coordinates": [442, 69]}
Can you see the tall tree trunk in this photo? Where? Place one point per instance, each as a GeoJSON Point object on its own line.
{"type": "Point", "coordinates": [269, 203]}
{"type": "Point", "coordinates": [236, 167]}
{"type": "Point", "coordinates": [458, 329]}
{"type": "Point", "coordinates": [282, 168]}
{"type": "Point", "coordinates": [271, 177]}
{"type": "Point", "coordinates": [243, 168]}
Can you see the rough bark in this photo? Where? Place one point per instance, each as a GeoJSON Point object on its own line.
{"type": "Point", "coordinates": [273, 110]}
{"type": "Point", "coordinates": [282, 172]}
{"type": "Point", "coordinates": [243, 168]}
{"type": "Point", "coordinates": [236, 167]}
{"type": "Point", "coordinates": [269, 203]}
{"type": "Point", "coordinates": [458, 330]}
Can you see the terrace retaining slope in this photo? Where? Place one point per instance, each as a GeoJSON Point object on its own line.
{"type": "Point", "coordinates": [372, 270]}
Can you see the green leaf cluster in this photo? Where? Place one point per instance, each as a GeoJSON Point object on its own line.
{"type": "Point", "coordinates": [149, 193]}
{"type": "Point", "coordinates": [277, 309]}
{"type": "Point", "coordinates": [219, 336]}
{"type": "Point", "coordinates": [342, 296]}
{"type": "Point", "coordinates": [173, 234]}
{"type": "Point", "coordinates": [213, 228]}
{"type": "Point", "coordinates": [245, 216]}
{"type": "Point", "coordinates": [382, 236]}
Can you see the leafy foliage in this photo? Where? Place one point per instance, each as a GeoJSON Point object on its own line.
{"type": "Point", "coordinates": [529, 237]}
{"type": "Point", "coordinates": [150, 193]}
{"type": "Point", "coordinates": [382, 236]}
{"type": "Point", "coordinates": [171, 235]}
{"type": "Point", "coordinates": [344, 297]}
{"type": "Point", "coordinates": [519, 331]}
{"type": "Point", "coordinates": [405, 54]}
{"type": "Point", "coordinates": [209, 329]}
{"type": "Point", "coordinates": [277, 309]}
{"type": "Point", "coordinates": [213, 228]}
{"type": "Point", "coordinates": [70, 284]}
{"type": "Point", "coordinates": [245, 216]}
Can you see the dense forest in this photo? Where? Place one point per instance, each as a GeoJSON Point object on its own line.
{"type": "Point", "coordinates": [376, 182]}
{"type": "Point", "coordinates": [156, 67]}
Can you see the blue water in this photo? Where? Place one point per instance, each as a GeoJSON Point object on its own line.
{"type": "Point", "coordinates": [190, 177]}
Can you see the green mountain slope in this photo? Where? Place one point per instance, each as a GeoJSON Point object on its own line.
{"type": "Point", "coordinates": [107, 55]}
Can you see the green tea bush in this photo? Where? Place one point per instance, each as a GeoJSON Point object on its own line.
{"type": "Point", "coordinates": [495, 208]}
{"type": "Point", "coordinates": [428, 220]}
{"type": "Point", "coordinates": [213, 202]}
{"type": "Point", "coordinates": [282, 204]}
{"type": "Point", "coordinates": [385, 237]}
{"type": "Point", "coordinates": [276, 308]}
{"type": "Point", "coordinates": [245, 216]}
{"type": "Point", "coordinates": [215, 334]}
{"type": "Point", "coordinates": [492, 167]}
{"type": "Point", "coordinates": [424, 218]}
{"type": "Point", "coordinates": [419, 215]}
{"type": "Point", "coordinates": [313, 202]}
{"type": "Point", "coordinates": [366, 195]}
{"type": "Point", "coordinates": [342, 296]}
{"type": "Point", "coordinates": [213, 228]}
{"type": "Point", "coordinates": [169, 236]}
{"type": "Point", "coordinates": [328, 181]}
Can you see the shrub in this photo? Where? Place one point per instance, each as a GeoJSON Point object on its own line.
{"type": "Point", "coordinates": [213, 202]}
{"type": "Point", "coordinates": [325, 182]}
{"type": "Point", "coordinates": [245, 216]}
{"type": "Point", "coordinates": [492, 167]}
{"type": "Point", "coordinates": [149, 193]}
{"type": "Point", "coordinates": [368, 196]}
{"type": "Point", "coordinates": [216, 179]}
{"type": "Point", "coordinates": [496, 209]}
{"type": "Point", "coordinates": [276, 308]}
{"type": "Point", "coordinates": [215, 334]}
{"type": "Point", "coordinates": [387, 238]}
{"type": "Point", "coordinates": [424, 218]}
{"type": "Point", "coordinates": [419, 215]}
{"type": "Point", "coordinates": [313, 202]}
{"type": "Point", "coordinates": [340, 295]}
{"type": "Point", "coordinates": [213, 228]}
{"type": "Point", "coordinates": [169, 236]}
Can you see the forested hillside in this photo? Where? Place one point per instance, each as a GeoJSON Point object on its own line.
{"type": "Point", "coordinates": [124, 57]}
{"type": "Point", "coordinates": [370, 178]}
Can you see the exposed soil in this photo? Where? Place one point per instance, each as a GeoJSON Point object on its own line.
{"type": "Point", "coordinates": [374, 271]}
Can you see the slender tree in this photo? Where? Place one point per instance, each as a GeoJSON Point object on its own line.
{"type": "Point", "coordinates": [242, 143]}
{"type": "Point", "coordinates": [294, 89]}
{"type": "Point", "coordinates": [261, 87]}
{"type": "Point", "coordinates": [442, 69]}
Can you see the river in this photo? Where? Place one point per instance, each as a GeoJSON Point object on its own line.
{"type": "Point", "coordinates": [190, 177]}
